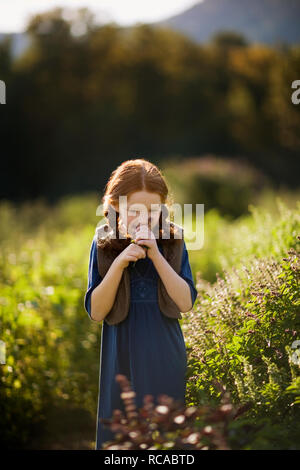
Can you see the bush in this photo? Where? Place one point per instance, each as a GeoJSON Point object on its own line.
{"type": "Point", "coordinates": [52, 348]}
{"type": "Point", "coordinates": [224, 184]}
{"type": "Point", "coordinates": [241, 333]}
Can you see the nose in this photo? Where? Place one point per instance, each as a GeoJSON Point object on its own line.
{"type": "Point", "coordinates": [143, 220]}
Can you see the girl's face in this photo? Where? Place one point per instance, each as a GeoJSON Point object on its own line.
{"type": "Point", "coordinates": [143, 208]}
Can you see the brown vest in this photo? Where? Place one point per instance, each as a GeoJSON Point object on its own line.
{"type": "Point", "coordinates": [120, 308]}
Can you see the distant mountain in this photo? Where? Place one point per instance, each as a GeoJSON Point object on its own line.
{"type": "Point", "coordinates": [264, 21]}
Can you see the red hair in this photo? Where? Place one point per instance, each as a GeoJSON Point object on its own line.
{"type": "Point", "coordinates": [131, 176]}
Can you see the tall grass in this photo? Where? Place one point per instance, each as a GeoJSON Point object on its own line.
{"type": "Point", "coordinates": [242, 330]}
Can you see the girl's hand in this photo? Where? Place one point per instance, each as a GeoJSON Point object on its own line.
{"type": "Point", "coordinates": [144, 236]}
{"type": "Point", "coordinates": [132, 252]}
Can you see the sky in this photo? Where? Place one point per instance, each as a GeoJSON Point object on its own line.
{"type": "Point", "coordinates": [14, 14]}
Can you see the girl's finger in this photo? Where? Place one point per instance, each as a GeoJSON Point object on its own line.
{"type": "Point", "coordinates": [145, 236]}
{"type": "Point", "coordinates": [131, 258]}
{"type": "Point", "coordinates": [142, 241]}
{"type": "Point", "coordinates": [143, 252]}
{"type": "Point", "coordinates": [142, 233]}
{"type": "Point", "coordinates": [138, 248]}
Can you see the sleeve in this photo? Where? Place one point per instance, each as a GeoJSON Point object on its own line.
{"type": "Point", "coordinates": [186, 273]}
{"type": "Point", "coordinates": [94, 277]}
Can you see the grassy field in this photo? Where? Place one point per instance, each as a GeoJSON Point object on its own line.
{"type": "Point", "coordinates": [49, 384]}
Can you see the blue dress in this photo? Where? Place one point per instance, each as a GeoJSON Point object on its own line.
{"type": "Point", "coordinates": [148, 347]}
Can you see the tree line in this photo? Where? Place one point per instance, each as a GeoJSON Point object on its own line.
{"type": "Point", "coordinates": [79, 104]}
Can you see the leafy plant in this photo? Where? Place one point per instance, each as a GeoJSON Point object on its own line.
{"type": "Point", "coordinates": [169, 425]}
{"type": "Point", "coordinates": [240, 333]}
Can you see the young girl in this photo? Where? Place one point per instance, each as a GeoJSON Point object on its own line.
{"type": "Point", "coordinates": [147, 345]}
